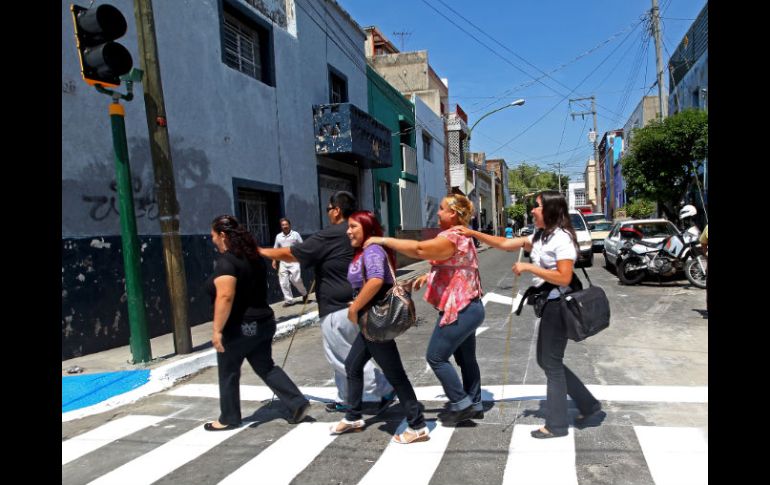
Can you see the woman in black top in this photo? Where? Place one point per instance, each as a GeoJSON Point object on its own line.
{"type": "Point", "coordinates": [244, 324]}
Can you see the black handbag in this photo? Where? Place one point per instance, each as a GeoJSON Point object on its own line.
{"type": "Point", "coordinates": [585, 312]}
{"type": "Point", "coordinates": [390, 315]}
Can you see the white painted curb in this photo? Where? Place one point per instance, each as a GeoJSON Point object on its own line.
{"type": "Point", "coordinates": [161, 378]}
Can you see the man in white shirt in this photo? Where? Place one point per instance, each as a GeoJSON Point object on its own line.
{"type": "Point", "coordinates": [288, 272]}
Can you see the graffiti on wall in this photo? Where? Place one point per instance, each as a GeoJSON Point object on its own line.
{"type": "Point", "coordinates": [145, 205]}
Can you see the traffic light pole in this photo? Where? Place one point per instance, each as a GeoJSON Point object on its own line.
{"type": "Point", "coordinates": [137, 320]}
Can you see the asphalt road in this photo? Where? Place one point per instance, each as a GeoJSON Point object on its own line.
{"type": "Point", "coordinates": [649, 369]}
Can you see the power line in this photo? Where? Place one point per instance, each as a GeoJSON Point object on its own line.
{"type": "Point", "coordinates": [504, 47]}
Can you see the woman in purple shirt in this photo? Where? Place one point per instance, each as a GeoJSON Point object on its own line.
{"type": "Point", "coordinates": [370, 278]}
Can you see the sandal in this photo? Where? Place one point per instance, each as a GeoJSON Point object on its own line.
{"type": "Point", "coordinates": [344, 426]}
{"type": "Point", "coordinates": [412, 436]}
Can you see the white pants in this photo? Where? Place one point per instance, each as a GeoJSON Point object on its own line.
{"type": "Point", "coordinates": [338, 336]}
{"type": "Point", "coordinates": [289, 273]}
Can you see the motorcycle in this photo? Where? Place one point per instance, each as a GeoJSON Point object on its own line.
{"type": "Point", "coordinates": [680, 252]}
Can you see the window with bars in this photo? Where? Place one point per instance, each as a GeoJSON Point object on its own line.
{"type": "Point", "coordinates": [246, 46]}
{"type": "Point", "coordinates": [580, 197]}
{"type": "Point", "coordinates": [253, 209]}
{"type": "Point", "coordinates": [338, 87]}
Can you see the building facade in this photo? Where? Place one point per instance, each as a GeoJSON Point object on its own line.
{"type": "Point", "coordinates": [241, 79]}
{"type": "Point", "coordinates": [431, 156]}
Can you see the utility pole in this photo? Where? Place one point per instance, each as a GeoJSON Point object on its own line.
{"type": "Point", "coordinates": [165, 190]}
{"type": "Point", "coordinates": [494, 204]}
{"type": "Point", "coordinates": [593, 137]}
{"type": "Point", "coordinates": [662, 92]}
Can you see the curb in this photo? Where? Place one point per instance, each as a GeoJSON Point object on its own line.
{"type": "Point", "coordinates": [162, 378]}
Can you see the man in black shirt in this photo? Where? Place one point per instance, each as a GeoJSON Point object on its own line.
{"type": "Point", "coordinates": [329, 253]}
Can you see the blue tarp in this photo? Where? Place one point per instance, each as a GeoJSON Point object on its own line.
{"type": "Point", "coordinates": [88, 389]}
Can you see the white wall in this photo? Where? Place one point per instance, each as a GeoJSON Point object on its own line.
{"type": "Point", "coordinates": [430, 172]}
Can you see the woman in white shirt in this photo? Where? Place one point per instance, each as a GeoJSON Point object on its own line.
{"type": "Point", "coordinates": [553, 250]}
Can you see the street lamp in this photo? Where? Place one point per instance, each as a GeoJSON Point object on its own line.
{"type": "Point", "coordinates": [518, 102]}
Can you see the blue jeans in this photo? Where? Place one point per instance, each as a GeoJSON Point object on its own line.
{"type": "Point", "coordinates": [458, 339]}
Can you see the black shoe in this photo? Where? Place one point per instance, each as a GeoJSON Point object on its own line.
{"type": "Point", "coordinates": [451, 418]}
{"type": "Point", "coordinates": [210, 427]}
{"type": "Point", "coordinates": [478, 415]}
{"type": "Point", "coordinates": [590, 420]}
{"type": "Point", "coordinates": [385, 402]}
{"type": "Point", "coordinates": [548, 434]}
{"type": "Point", "coordinates": [300, 413]}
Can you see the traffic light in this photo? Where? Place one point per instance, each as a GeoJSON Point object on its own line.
{"type": "Point", "coordinates": [102, 61]}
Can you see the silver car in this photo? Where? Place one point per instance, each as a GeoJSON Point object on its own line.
{"type": "Point", "coordinates": [652, 231]}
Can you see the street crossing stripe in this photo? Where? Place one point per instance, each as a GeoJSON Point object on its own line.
{"type": "Point", "coordinates": [540, 461]}
{"type": "Point", "coordinates": [286, 458]}
{"type": "Point", "coordinates": [418, 461]}
{"type": "Point", "coordinates": [685, 394]}
{"type": "Point", "coordinates": [85, 443]}
{"type": "Point", "coordinates": [675, 456]}
{"type": "Point", "coordinates": [505, 300]}
{"type": "Point", "coordinates": [481, 330]}
{"type": "Point", "coordinates": [161, 461]}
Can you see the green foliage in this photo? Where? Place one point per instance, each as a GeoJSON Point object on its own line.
{"type": "Point", "coordinates": [516, 211]}
{"type": "Point", "coordinates": [527, 179]}
{"type": "Point", "coordinates": [663, 156]}
{"type": "Point", "coordinates": [639, 209]}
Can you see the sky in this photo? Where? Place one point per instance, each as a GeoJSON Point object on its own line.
{"type": "Point", "coordinates": [594, 47]}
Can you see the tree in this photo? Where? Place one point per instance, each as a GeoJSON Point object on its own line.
{"type": "Point", "coordinates": [527, 179]}
{"type": "Point", "coordinates": [517, 212]}
{"type": "Point", "coordinates": [639, 209]}
{"type": "Point", "coordinates": [664, 157]}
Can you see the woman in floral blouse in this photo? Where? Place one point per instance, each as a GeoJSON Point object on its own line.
{"type": "Point", "coordinates": [454, 288]}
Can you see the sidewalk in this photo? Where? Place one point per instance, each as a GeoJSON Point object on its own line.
{"type": "Point", "coordinates": [108, 379]}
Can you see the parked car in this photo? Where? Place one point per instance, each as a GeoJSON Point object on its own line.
{"type": "Point", "coordinates": [595, 216]}
{"type": "Point", "coordinates": [599, 231]}
{"type": "Point", "coordinates": [585, 255]}
{"type": "Point", "coordinates": [527, 230]}
{"type": "Point", "coordinates": [652, 231]}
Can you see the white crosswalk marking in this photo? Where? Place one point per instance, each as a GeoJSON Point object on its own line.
{"type": "Point", "coordinates": [420, 459]}
{"type": "Point", "coordinates": [675, 456]}
{"type": "Point", "coordinates": [284, 459]}
{"type": "Point", "coordinates": [85, 443]}
{"type": "Point", "coordinates": [534, 461]}
{"type": "Point", "coordinates": [166, 458]}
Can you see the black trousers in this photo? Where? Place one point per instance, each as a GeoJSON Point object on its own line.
{"type": "Point", "coordinates": [387, 356]}
{"type": "Point", "coordinates": [560, 381]}
{"type": "Point", "coordinates": [257, 349]}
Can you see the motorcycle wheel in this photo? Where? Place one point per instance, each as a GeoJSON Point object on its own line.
{"type": "Point", "coordinates": [630, 277]}
{"type": "Point", "coordinates": [693, 271]}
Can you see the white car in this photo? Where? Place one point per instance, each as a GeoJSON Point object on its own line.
{"type": "Point", "coordinates": [586, 254]}
{"type": "Point", "coordinates": [652, 231]}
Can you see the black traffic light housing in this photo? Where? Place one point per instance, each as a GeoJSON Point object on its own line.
{"type": "Point", "coordinates": [102, 61]}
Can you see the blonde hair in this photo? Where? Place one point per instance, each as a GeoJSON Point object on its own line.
{"type": "Point", "coordinates": [462, 206]}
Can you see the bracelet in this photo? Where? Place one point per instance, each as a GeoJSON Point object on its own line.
{"type": "Point", "coordinates": [383, 242]}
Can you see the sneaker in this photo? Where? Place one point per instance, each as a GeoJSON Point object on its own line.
{"type": "Point", "coordinates": [336, 407]}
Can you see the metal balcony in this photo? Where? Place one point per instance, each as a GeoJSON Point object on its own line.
{"type": "Point", "coordinates": [344, 132]}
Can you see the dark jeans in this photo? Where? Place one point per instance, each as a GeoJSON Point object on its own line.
{"type": "Point", "coordinates": [257, 349]}
{"type": "Point", "coordinates": [551, 342]}
{"type": "Point", "coordinates": [387, 356]}
{"type": "Point", "coordinates": [458, 339]}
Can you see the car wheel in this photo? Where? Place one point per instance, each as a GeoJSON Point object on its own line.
{"type": "Point", "coordinates": [607, 263]}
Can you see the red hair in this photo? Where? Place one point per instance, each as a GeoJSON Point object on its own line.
{"type": "Point", "coordinates": [371, 227]}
